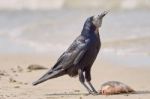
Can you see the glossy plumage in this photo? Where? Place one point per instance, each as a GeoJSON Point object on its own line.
{"type": "Point", "coordinates": [80, 56]}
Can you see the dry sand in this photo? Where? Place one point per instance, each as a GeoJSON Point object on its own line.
{"type": "Point", "coordinates": [16, 80]}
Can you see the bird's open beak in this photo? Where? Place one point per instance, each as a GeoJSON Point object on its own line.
{"type": "Point", "coordinates": [103, 14]}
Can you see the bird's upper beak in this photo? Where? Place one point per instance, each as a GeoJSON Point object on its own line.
{"type": "Point", "coordinates": [97, 20]}
{"type": "Point", "coordinates": [103, 14]}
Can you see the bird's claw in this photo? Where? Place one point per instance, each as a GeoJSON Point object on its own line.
{"type": "Point", "coordinates": [94, 93]}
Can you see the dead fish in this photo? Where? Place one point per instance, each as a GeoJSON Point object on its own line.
{"type": "Point", "coordinates": [35, 67]}
{"type": "Point", "coordinates": [115, 87]}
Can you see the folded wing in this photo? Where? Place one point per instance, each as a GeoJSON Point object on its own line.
{"type": "Point", "coordinates": [71, 57]}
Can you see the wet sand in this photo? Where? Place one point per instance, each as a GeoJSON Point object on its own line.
{"type": "Point", "coordinates": [16, 80]}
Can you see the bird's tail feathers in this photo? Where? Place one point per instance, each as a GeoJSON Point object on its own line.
{"type": "Point", "coordinates": [48, 76]}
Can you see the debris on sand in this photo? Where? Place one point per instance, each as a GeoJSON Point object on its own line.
{"type": "Point", "coordinates": [76, 90]}
{"type": "Point", "coordinates": [35, 67]}
{"type": "Point", "coordinates": [16, 86]}
{"type": "Point", "coordinates": [3, 73]}
{"type": "Point", "coordinates": [13, 70]}
{"type": "Point", "coordinates": [19, 69]}
{"type": "Point", "coordinates": [11, 80]}
{"type": "Point", "coordinates": [115, 87]}
{"type": "Point", "coordinates": [80, 98]}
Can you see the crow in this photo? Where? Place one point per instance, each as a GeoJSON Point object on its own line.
{"type": "Point", "coordinates": [80, 56]}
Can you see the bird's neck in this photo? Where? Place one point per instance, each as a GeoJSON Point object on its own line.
{"type": "Point", "coordinates": [88, 30]}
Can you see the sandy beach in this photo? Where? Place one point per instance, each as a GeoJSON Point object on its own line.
{"type": "Point", "coordinates": [16, 80]}
{"type": "Point", "coordinates": [40, 37]}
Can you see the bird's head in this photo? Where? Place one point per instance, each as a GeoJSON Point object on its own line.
{"type": "Point", "coordinates": [94, 22]}
{"type": "Point", "coordinates": [97, 19]}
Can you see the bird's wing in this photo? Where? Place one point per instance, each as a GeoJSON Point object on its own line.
{"type": "Point", "coordinates": [69, 58]}
{"type": "Point", "coordinates": [73, 55]}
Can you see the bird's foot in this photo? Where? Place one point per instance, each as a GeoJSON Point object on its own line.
{"type": "Point", "coordinates": [94, 93]}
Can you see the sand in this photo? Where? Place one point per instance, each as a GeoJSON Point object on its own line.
{"type": "Point", "coordinates": [16, 80]}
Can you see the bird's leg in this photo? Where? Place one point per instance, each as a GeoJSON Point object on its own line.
{"type": "Point", "coordinates": [88, 79]}
{"type": "Point", "coordinates": [93, 89]}
{"type": "Point", "coordinates": [82, 80]}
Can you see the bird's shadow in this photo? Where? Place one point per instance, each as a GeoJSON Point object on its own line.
{"type": "Point", "coordinates": [68, 94]}
{"type": "Point", "coordinates": [141, 92]}
{"type": "Point", "coordinates": [86, 94]}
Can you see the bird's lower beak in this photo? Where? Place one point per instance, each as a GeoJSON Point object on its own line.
{"type": "Point", "coordinates": [103, 14]}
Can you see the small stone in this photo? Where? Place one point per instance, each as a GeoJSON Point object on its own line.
{"type": "Point", "coordinates": [25, 83]}
{"type": "Point", "coordinates": [76, 90]}
{"type": "Point", "coordinates": [13, 70]}
{"type": "Point", "coordinates": [20, 82]}
{"type": "Point", "coordinates": [20, 69]}
{"type": "Point", "coordinates": [16, 86]}
{"type": "Point", "coordinates": [80, 98]}
{"type": "Point", "coordinates": [11, 80]}
{"type": "Point", "coordinates": [3, 73]}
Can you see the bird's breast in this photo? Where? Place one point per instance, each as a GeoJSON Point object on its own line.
{"type": "Point", "coordinates": [91, 53]}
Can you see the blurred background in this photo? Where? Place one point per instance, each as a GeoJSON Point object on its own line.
{"type": "Point", "coordinates": [46, 28]}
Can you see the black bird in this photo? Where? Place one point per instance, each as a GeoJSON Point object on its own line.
{"type": "Point", "coordinates": [80, 56]}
